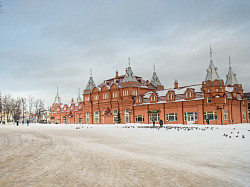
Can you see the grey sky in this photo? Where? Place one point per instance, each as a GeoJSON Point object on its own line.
{"type": "Point", "coordinates": [46, 43]}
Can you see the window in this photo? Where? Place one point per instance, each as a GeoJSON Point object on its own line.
{"type": "Point", "coordinates": [156, 117]}
{"type": "Point", "coordinates": [105, 96]}
{"type": "Point", "coordinates": [225, 115]}
{"type": "Point", "coordinates": [190, 116]}
{"type": "Point", "coordinates": [168, 96]}
{"type": "Point", "coordinates": [126, 116]}
{"type": "Point", "coordinates": [208, 90]}
{"type": "Point", "coordinates": [96, 97]}
{"type": "Point", "coordinates": [216, 90]}
{"type": "Point", "coordinates": [87, 117]}
{"type": "Point", "coordinates": [65, 121]}
{"type": "Point", "coordinates": [186, 94]}
{"type": "Point", "coordinates": [86, 98]}
{"type": "Point", "coordinates": [115, 116]}
{"type": "Point", "coordinates": [125, 92]}
{"type": "Point", "coordinates": [153, 98]}
{"type": "Point", "coordinates": [171, 96]}
{"type": "Point", "coordinates": [134, 92]}
{"type": "Point", "coordinates": [211, 115]}
{"type": "Point", "coordinates": [139, 118]}
{"type": "Point", "coordinates": [80, 120]}
{"type": "Point", "coordinates": [58, 121]}
{"type": "Point", "coordinates": [138, 100]}
{"type": "Point", "coordinates": [190, 94]}
{"type": "Point", "coordinates": [171, 117]}
{"type": "Point", "coordinates": [96, 117]}
{"type": "Point", "coordinates": [244, 115]}
{"type": "Point", "coordinates": [115, 94]}
{"type": "Point", "coordinates": [209, 100]}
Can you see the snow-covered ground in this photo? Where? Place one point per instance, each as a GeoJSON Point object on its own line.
{"type": "Point", "coordinates": [124, 155]}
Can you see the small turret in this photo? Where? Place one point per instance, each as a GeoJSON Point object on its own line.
{"type": "Point", "coordinates": [212, 73]}
{"type": "Point", "coordinates": [57, 98]}
{"type": "Point", "coordinates": [156, 81]}
{"type": "Point", "coordinates": [79, 97]}
{"type": "Point", "coordinates": [91, 84]}
{"type": "Point", "coordinates": [231, 77]}
{"type": "Point", "coordinates": [176, 86]}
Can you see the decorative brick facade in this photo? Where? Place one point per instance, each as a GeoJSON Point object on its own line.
{"type": "Point", "coordinates": [140, 101]}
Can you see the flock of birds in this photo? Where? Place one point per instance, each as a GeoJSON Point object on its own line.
{"type": "Point", "coordinates": [232, 133]}
{"type": "Point", "coordinates": [178, 128]}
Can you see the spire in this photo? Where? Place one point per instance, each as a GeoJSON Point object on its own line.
{"type": "Point", "coordinates": [129, 75]}
{"type": "Point", "coordinates": [91, 83]}
{"type": "Point", "coordinates": [155, 80]}
{"type": "Point", "coordinates": [57, 98]}
{"type": "Point", "coordinates": [231, 77]}
{"type": "Point", "coordinates": [212, 73]}
{"type": "Point", "coordinates": [129, 61]}
{"type": "Point", "coordinates": [79, 97]}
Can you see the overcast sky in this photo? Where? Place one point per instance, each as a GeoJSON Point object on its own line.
{"type": "Point", "coordinates": [46, 43]}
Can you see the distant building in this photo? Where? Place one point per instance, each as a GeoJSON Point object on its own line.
{"type": "Point", "coordinates": [247, 96]}
{"type": "Point", "coordinates": [140, 101]}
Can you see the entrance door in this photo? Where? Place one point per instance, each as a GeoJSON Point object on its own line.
{"type": "Point", "coordinates": [190, 118]}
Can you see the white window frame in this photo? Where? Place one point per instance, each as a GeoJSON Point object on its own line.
{"type": "Point", "coordinates": [211, 115]}
{"type": "Point", "coordinates": [96, 117]}
{"type": "Point", "coordinates": [225, 113]}
{"type": "Point", "coordinates": [209, 100]}
{"type": "Point", "coordinates": [154, 116]}
{"type": "Point", "coordinates": [139, 118]}
{"type": "Point", "coordinates": [87, 117]}
{"type": "Point", "coordinates": [115, 116]}
{"type": "Point", "coordinates": [126, 116]}
{"type": "Point", "coordinates": [169, 117]}
{"type": "Point", "coordinates": [244, 115]}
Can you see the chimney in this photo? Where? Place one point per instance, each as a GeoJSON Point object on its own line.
{"type": "Point", "coordinates": [176, 84]}
{"type": "Point", "coordinates": [116, 73]}
{"type": "Point", "coordinates": [147, 83]}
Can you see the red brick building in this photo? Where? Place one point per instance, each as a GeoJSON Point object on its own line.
{"type": "Point", "coordinates": [141, 101]}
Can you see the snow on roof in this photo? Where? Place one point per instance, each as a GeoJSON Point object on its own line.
{"type": "Point", "coordinates": [229, 89]}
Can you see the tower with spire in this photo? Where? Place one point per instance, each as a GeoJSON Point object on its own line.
{"type": "Point", "coordinates": [129, 78]}
{"type": "Point", "coordinates": [57, 98]}
{"type": "Point", "coordinates": [212, 73]}
{"type": "Point", "coordinates": [213, 85]}
{"type": "Point", "coordinates": [91, 84]}
{"type": "Point", "coordinates": [231, 80]}
{"type": "Point", "coordinates": [79, 99]}
{"type": "Point", "coordinates": [155, 81]}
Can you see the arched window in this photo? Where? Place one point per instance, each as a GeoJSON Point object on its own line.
{"type": "Point", "coordinates": [209, 100]}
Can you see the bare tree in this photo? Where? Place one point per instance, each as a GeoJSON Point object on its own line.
{"type": "Point", "coordinates": [39, 109]}
{"type": "Point", "coordinates": [23, 105]}
{"type": "Point", "coordinates": [30, 106]}
{"type": "Point", "coordinates": [7, 106]}
{"type": "Point", "coordinates": [16, 108]}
